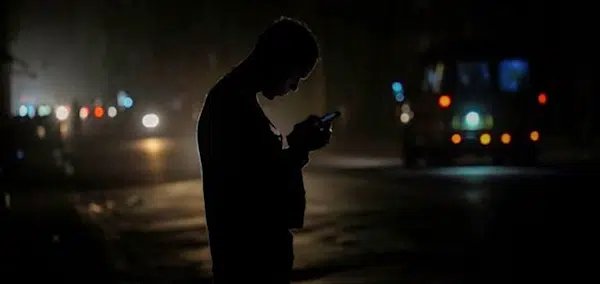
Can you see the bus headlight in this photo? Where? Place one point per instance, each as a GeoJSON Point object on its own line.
{"type": "Point", "coordinates": [472, 119]}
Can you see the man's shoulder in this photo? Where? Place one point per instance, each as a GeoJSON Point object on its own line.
{"type": "Point", "coordinates": [228, 85]}
{"type": "Point", "coordinates": [219, 95]}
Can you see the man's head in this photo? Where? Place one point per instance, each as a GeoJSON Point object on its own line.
{"type": "Point", "coordinates": [286, 52]}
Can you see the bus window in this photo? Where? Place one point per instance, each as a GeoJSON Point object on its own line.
{"type": "Point", "coordinates": [433, 77]}
{"type": "Point", "coordinates": [513, 75]}
{"type": "Point", "coordinates": [473, 76]}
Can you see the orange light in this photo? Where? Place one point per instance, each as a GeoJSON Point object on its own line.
{"type": "Point", "coordinates": [505, 138]}
{"type": "Point", "coordinates": [542, 98]}
{"type": "Point", "coordinates": [444, 101]}
{"type": "Point", "coordinates": [98, 112]}
{"type": "Point", "coordinates": [534, 136]}
{"type": "Point", "coordinates": [456, 138]}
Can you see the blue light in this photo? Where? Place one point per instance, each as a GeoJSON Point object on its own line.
{"type": "Point", "coordinates": [121, 97]}
{"type": "Point", "coordinates": [398, 91]}
{"type": "Point", "coordinates": [513, 75]}
{"type": "Point", "coordinates": [397, 87]}
{"type": "Point", "coordinates": [31, 110]}
{"type": "Point", "coordinates": [399, 97]}
{"type": "Point", "coordinates": [472, 119]}
{"type": "Point", "coordinates": [127, 102]}
{"type": "Point", "coordinates": [121, 101]}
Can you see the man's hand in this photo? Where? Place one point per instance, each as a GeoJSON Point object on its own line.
{"type": "Point", "coordinates": [310, 134]}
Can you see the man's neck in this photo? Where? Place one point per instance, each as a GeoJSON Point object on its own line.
{"type": "Point", "coordinates": [248, 73]}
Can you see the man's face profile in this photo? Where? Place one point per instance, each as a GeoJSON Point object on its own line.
{"type": "Point", "coordinates": [286, 83]}
{"type": "Point", "coordinates": [286, 53]}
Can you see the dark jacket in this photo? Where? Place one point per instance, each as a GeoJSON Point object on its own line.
{"type": "Point", "coordinates": [252, 186]}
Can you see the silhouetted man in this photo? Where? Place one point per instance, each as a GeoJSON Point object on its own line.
{"type": "Point", "coordinates": [253, 187]}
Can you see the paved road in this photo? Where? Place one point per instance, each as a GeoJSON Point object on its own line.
{"type": "Point", "coordinates": [367, 222]}
{"type": "Point", "coordinates": [112, 163]}
{"type": "Point", "coordinates": [448, 225]}
{"type": "Point", "coordinates": [157, 160]}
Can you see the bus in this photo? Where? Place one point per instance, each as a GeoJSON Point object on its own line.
{"type": "Point", "coordinates": [477, 97]}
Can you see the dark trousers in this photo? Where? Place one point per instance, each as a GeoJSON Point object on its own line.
{"type": "Point", "coordinates": [266, 257]}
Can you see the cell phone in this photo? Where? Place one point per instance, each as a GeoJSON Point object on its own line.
{"type": "Point", "coordinates": [329, 117]}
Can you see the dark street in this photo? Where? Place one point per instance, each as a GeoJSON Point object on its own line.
{"type": "Point", "coordinates": [375, 225]}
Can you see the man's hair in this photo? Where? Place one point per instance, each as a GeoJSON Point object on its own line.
{"type": "Point", "coordinates": [288, 41]}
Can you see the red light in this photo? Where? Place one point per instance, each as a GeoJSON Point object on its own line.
{"type": "Point", "coordinates": [542, 98]}
{"type": "Point", "coordinates": [98, 112]}
{"type": "Point", "coordinates": [444, 101]}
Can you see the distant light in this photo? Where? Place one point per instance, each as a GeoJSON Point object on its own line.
{"type": "Point", "coordinates": [397, 87]}
{"type": "Point", "coordinates": [127, 102]}
{"type": "Point", "coordinates": [405, 118]}
{"type": "Point", "coordinates": [23, 111]}
{"type": "Point", "coordinates": [84, 112]}
{"type": "Point", "coordinates": [534, 136]}
{"type": "Point", "coordinates": [150, 120]}
{"type": "Point", "coordinates": [121, 95]}
{"type": "Point", "coordinates": [542, 98]}
{"type": "Point", "coordinates": [112, 111]}
{"type": "Point", "coordinates": [398, 90]}
{"type": "Point", "coordinates": [98, 112]}
{"type": "Point", "coordinates": [61, 113]}
{"type": "Point", "coordinates": [485, 139]}
{"type": "Point", "coordinates": [472, 119]}
{"type": "Point", "coordinates": [455, 138]}
{"type": "Point", "coordinates": [505, 138]}
{"type": "Point", "coordinates": [399, 97]}
{"type": "Point", "coordinates": [30, 111]}
{"type": "Point", "coordinates": [44, 110]}
{"type": "Point", "coordinates": [444, 101]}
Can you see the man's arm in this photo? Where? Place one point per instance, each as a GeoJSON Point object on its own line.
{"type": "Point", "coordinates": [295, 159]}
